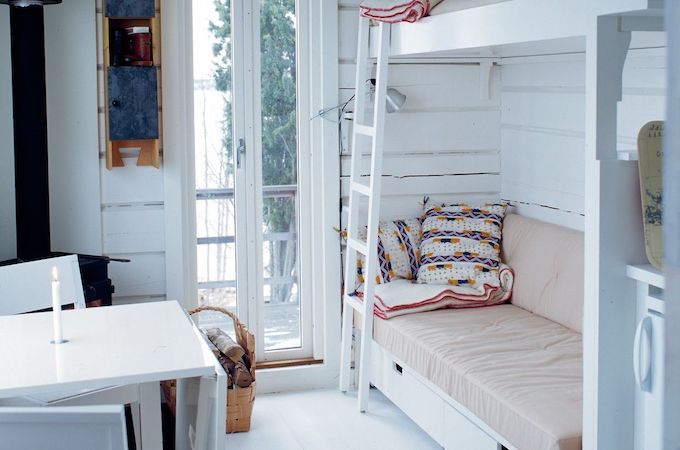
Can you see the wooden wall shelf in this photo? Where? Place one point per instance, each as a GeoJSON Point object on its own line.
{"type": "Point", "coordinates": [132, 84]}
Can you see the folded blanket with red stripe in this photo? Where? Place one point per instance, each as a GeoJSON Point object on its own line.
{"type": "Point", "coordinates": [392, 11]}
{"type": "Point", "coordinates": [401, 297]}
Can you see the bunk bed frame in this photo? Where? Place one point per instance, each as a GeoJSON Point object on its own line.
{"type": "Point", "coordinates": [603, 30]}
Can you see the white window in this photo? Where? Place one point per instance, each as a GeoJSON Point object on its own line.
{"type": "Point", "coordinates": [252, 179]}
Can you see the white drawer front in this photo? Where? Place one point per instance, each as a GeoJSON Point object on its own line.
{"type": "Point", "coordinates": [461, 434]}
{"type": "Point", "coordinates": [420, 403]}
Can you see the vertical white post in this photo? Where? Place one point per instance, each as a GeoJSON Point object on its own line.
{"type": "Point", "coordinates": [613, 238]}
{"type": "Point", "coordinates": [671, 219]}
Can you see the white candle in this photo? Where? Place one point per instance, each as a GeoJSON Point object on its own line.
{"type": "Point", "coordinates": [56, 307]}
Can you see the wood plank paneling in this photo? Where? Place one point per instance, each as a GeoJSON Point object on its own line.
{"type": "Point", "coordinates": [131, 184]}
{"type": "Point", "coordinates": [133, 229]}
{"type": "Point", "coordinates": [543, 127]}
{"type": "Point", "coordinates": [434, 185]}
{"type": "Point", "coordinates": [348, 30]}
{"type": "Point", "coordinates": [144, 275]}
{"type": "Point", "coordinates": [429, 132]}
{"type": "Point", "coordinates": [424, 164]}
{"type": "Point", "coordinates": [410, 206]}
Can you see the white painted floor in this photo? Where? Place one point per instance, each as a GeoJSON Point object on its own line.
{"type": "Point", "coordinates": [328, 419]}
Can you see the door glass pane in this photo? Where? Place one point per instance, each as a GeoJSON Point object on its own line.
{"type": "Point", "coordinates": [282, 313]}
{"type": "Point", "coordinates": [215, 207]}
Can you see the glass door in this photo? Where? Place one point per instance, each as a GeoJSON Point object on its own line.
{"type": "Point", "coordinates": [247, 171]}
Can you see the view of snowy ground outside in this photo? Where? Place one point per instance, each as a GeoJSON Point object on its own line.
{"type": "Point", "coordinates": [215, 209]}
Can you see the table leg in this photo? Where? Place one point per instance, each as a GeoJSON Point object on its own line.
{"type": "Point", "coordinates": [136, 423]}
{"type": "Point", "coordinates": [181, 416]}
{"type": "Point", "coordinates": [211, 415]}
{"type": "Point", "coordinates": [203, 413]}
{"type": "Point", "coordinates": [150, 415]}
{"type": "Point", "coordinates": [220, 416]}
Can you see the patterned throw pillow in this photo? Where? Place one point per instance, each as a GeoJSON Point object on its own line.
{"type": "Point", "coordinates": [461, 245]}
{"type": "Point", "coordinates": [398, 251]}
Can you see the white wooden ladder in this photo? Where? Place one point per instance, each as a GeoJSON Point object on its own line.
{"type": "Point", "coordinates": [363, 133]}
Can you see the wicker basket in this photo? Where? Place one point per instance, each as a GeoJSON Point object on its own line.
{"type": "Point", "coordinates": [240, 401]}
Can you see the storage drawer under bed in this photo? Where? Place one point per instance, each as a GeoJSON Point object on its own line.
{"type": "Point", "coordinates": [448, 427]}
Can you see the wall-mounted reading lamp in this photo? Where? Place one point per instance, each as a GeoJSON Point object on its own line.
{"type": "Point", "coordinates": [394, 99]}
{"type": "Point", "coordinates": [394, 102]}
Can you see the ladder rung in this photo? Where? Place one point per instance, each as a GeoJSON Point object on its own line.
{"type": "Point", "coordinates": [365, 130]}
{"type": "Point", "coordinates": [358, 246]}
{"type": "Point", "coordinates": [360, 188]}
{"type": "Point", "coordinates": [355, 302]}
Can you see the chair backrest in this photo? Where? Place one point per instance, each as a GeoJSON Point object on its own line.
{"type": "Point", "coordinates": [63, 428]}
{"type": "Point", "coordinates": [27, 286]}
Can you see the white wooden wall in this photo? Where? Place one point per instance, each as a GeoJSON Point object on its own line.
{"type": "Point", "coordinates": [543, 125]}
{"type": "Point", "coordinates": [132, 215]}
{"type": "Point", "coordinates": [118, 213]}
{"type": "Point", "coordinates": [7, 212]}
{"type": "Point", "coordinates": [444, 143]}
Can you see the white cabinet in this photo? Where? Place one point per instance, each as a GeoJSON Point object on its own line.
{"type": "Point", "coordinates": [648, 358]}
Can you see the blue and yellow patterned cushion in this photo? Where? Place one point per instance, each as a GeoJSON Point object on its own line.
{"type": "Point", "coordinates": [461, 245]}
{"type": "Point", "coordinates": [398, 251]}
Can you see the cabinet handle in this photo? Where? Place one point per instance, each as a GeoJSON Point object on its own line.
{"type": "Point", "coordinates": [115, 103]}
{"type": "Point", "coordinates": [642, 351]}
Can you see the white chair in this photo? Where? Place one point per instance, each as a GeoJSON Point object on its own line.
{"type": "Point", "coordinates": [27, 287]}
{"type": "Point", "coordinates": [63, 428]}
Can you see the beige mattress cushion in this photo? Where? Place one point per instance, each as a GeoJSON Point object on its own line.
{"type": "Point", "coordinates": [548, 264]}
{"type": "Point", "coordinates": [518, 372]}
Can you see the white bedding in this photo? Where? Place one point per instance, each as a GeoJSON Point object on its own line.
{"type": "Point", "coordinates": [401, 297]}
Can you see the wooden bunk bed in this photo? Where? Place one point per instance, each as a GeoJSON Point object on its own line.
{"type": "Point", "coordinates": [536, 27]}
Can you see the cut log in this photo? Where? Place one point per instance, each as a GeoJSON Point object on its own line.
{"type": "Point", "coordinates": [226, 363]}
{"type": "Point", "coordinates": [238, 372]}
{"type": "Point", "coordinates": [226, 344]}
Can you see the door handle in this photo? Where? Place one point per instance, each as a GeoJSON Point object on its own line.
{"type": "Point", "coordinates": [642, 354]}
{"type": "Point", "coordinates": [240, 150]}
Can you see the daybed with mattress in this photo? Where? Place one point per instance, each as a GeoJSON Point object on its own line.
{"type": "Point", "coordinates": [509, 374]}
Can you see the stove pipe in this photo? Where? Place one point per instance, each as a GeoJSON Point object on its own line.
{"type": "Point", "coordinates": [30, 128]}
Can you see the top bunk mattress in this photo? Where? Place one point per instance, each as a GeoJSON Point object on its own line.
{"type": "Point", "coordinates": [447, 6]}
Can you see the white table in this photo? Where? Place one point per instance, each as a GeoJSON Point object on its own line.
{"type": "Point", "coordinates": [118, 345]}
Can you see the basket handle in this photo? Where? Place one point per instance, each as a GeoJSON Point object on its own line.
{"type": "Point", "coordinates": [224, 311]}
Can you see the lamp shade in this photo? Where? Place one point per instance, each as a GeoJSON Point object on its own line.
{"type": "Point", "coordinates": [395, 100]}
{"type": "Point", "coordinates": [24, 3]}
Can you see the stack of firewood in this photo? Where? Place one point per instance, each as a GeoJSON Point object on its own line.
{"type": "Point", "coordinates": [232, 357]}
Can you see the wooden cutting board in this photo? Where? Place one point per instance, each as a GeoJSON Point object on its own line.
{"type": "Point", "coordinates": [650, 157]}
